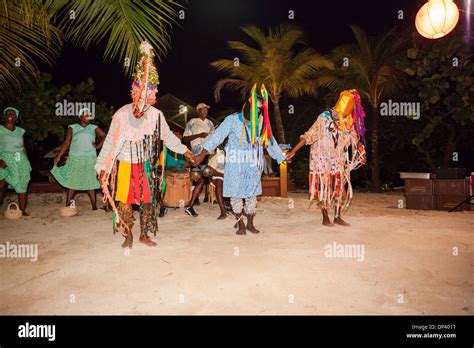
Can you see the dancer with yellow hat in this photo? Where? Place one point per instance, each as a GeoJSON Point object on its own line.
{"type": "Point", "coordinates": [337, 147]}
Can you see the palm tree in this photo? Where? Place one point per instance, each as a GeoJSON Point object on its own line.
{"type": "Point", "coordinates": [368, 66]}
{"type": "Point", "coordinates": [276, 61]}
{"type": "Point", "coordinates": [35, 30]}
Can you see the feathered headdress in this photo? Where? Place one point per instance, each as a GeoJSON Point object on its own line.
{"type": "Point", "coordinates": [145, 79]}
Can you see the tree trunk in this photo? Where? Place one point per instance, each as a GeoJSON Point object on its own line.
{"type": "Point", "coordinates": [374, 150]}
{"type": "Point", "coordinates": [427, 159]}
{"type": "Point", "coordinates": [280, 131]}
{"type": "Point", "coordinates": [450, 146]}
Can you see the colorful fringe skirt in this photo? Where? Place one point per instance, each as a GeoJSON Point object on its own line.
{"type": "Point", "coordinates": [326, 188]}
{"type": "Point", "coordinates": [133, 183]}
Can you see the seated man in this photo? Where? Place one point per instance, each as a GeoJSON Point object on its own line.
{"type": "Point", "coordinates": [217, 164]}
{"type": "Point", "coordinates": [196, 132]}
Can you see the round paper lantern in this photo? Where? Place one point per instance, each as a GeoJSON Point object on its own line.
{"type": "Point", "coordinates": [437, 18]}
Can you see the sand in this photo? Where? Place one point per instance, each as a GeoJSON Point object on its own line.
{"type": "Point", "coordinates": [201, 267]}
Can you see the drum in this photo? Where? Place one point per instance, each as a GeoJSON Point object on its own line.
{"type": "Point", "coordinates": [178, 189]}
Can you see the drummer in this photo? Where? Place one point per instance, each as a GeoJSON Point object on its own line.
{"type": "Point", "coordinates": [174, 162]}
{"type": "Point", "coordinates": [196, 132]}
{"type": "Point", "coordinates": [217, 164]}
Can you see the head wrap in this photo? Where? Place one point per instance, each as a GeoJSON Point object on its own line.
{"type": "Point", "coordinates": [16, 111]}
{"type": "Point", "coordinates": [145, 79]}
{"type": "Point", "coordinates": [82, 111]}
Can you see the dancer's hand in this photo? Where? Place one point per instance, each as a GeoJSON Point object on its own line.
{"type": "Point", "coordinates": [190, 157]}
{"type": "Point", "coordinates": [57, 159]}
{"type": "Point", "coordinates": [200, 158]}
{"type": "Point", "coordinates": [289, 156]}
{"type": "Point", "coordinates": [3, 164]}
{"type": "Point", "coordinates": [102, 176]}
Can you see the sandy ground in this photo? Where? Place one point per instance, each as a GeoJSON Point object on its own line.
{"type": "Point", "coordinates": [201, 267]}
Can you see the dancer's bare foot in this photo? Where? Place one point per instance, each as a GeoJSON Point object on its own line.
{"type": "Point", "coordinates": [340, 222]}
{"type": "Point", "coordinates": [240, 225]}
{"type": "Point", "coordinates": [147, 241]}
{"type": "Point", "coordinates": [326, 221]}
{"type": "Point", "coordinates": [241, 231]}
{"type": "Point", "coordinates": [222, 216]}
{"type": "Point", "coordinates": [250, 225]}
{"type": "Point", "coordinates": [128, 242]}
{"type": "Point", "coordinates": [24, 213]}
{"type": "Point", "coordinates": [94, 207]}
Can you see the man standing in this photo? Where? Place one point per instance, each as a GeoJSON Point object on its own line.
{"type": "Point", "coordinates": [129, 158]}
{"type": "Point", "coordinates": [196, 132]}
{"type": "Point", "coordinates": [248, 132]}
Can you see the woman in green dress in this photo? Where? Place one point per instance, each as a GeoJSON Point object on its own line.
{"type": "Point", "coordinates": [78, 174]}
{"type": "Point", "coordinates": [15, 167]}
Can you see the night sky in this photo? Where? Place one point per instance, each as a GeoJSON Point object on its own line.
{"type": "Point", "coordinates": [185, 71]}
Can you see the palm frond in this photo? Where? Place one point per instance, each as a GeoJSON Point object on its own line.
{"type": "Point", "coordinates": [332, 82]}
{"type": "Point", "coordinates": [122, 23]}
{"type": "Point", "coordinates": [300, 75]}
{"type": "Point", "coordinates": [232, 84]}
{"type": "Point", "coordinates": [362, 41]}
{"type": "Point", "coordinates": [256, 34]}
{"type": "Point", "coordinates": [240, 71]}
{"type": "Point", "coordinates": [249, 53]}
{"type": "Point", "coordinates": [24, 38]}
{"type": "Point", "coordinates": [286, 35]}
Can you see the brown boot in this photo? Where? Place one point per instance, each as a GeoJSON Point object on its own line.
{"type": "Point", "coordinates": [240, 225]}
{"type": "Point", "coordinates": [250, 225]}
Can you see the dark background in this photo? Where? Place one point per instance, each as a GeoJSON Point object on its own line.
{"type": "Point", "coordinates": [201, 38]}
